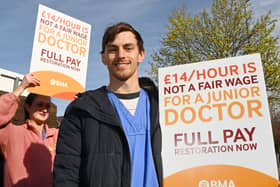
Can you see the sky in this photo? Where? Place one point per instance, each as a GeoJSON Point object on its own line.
{"type": "Point", "coordinates": [149, 17]}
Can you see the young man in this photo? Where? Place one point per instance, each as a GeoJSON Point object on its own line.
{"type": "Point", "coordinates": [111, 136]}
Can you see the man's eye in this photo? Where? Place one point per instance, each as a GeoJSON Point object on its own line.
{"type": "Point", "coordinates": [129, 48]}
{"type": "Point", "coordinates": [112, 49]}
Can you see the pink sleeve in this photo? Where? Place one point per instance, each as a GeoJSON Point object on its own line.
{"type": "Point", "coordinates": [8, 107]}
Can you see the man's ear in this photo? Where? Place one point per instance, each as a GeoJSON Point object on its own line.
{"type": "Point", "coordinates": [103, 58]}
{"type": "Point", "coordinates": [141, 56]}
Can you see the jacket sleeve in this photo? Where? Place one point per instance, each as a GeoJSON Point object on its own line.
{"type": "Point", "coordinates": [8, 107]}
{"type": "Point", "coordinates": [68, 151]}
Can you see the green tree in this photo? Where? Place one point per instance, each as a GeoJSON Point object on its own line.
{"type": "Point", "coordinates": [228, 30]}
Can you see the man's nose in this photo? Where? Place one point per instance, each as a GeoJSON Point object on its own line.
{"type": "Point", "coordinates": [121, 53]}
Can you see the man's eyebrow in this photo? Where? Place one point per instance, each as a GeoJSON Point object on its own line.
{"type": "Point", "coordinates": [111, 45]}
{"type": "Point", "coordinates": [126, 45]}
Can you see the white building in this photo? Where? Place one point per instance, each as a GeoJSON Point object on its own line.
{"type": "Point", "coordinates": [9, 81]}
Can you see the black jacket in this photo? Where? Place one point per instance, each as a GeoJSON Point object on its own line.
{"type": "Point", "coordinates": [92, 150]}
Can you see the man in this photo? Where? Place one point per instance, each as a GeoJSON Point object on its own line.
{"type": "Point", "coordinates": [111, 136]}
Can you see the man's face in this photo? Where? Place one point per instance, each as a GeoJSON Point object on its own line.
{"type": "Point", "coordinates": [40, 109]}
{"type": "Point", "coordinates": [122, 56]}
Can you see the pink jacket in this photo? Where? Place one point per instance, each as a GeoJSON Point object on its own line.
{"type": "Point", "coordinates": [28, 158]}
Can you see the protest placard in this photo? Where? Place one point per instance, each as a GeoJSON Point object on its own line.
{"type": "Point", "coordinates": [216, 126]}
{"type": "Point", "coordinates": [60, 54]}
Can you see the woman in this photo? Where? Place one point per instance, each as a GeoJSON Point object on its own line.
{"type": "Point", "coordinates": [28, 149]}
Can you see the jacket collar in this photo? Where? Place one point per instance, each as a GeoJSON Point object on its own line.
{"type": "Point", "coordinates": [97, 104]}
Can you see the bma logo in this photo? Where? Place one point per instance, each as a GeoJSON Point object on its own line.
{"type": "Point", "coordinates": [216, 183]}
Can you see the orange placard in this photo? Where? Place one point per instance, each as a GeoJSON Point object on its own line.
{"type": "Point", "coordinates": [57, 85]}
{"type": "Point", "coordinates": [220, 175]}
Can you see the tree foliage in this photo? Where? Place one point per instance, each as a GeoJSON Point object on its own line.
{"type": "Point", "coordinates": [228, 30]}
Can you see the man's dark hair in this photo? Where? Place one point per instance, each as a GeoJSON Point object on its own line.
{"type": "Point", "coordinates": [112, 31]}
